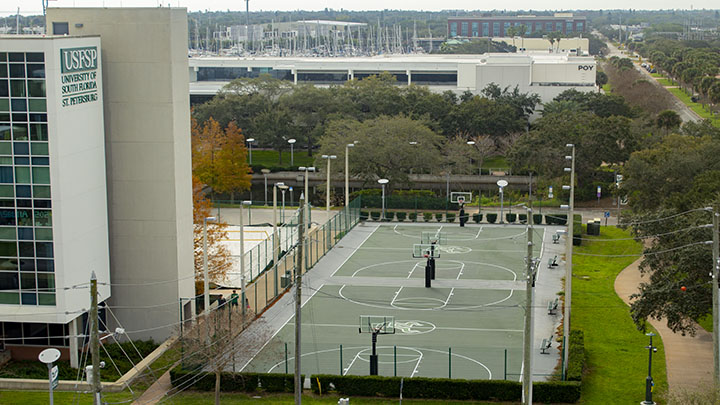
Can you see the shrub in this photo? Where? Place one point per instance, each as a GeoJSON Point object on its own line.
{"type": "Point", "coordinates": [509, 217]}
{"type": "Point", "coordinates": [439, 216]}
{"type": "Point", "coordinates": [233, 382]}
{"type": "Point", "coordinates": [576, 363]}
{"type": "Point", "coordinates": [364, 215]}
{"type": "Point", "coordinates": [537, 219]}
{"type": "Point", "coordinates": [389, 215]}
{"type": "Point", "coordinates": [523, 218]}
{"type": "Point", "coordinates": [491, 217]}
{"type": "Point", "coordinates": [444, 389]}
{"type": "Point", "coordinates": [450, 217]}
{"type": "Point", "coordinates": [427, 216]}
{"type": "Point", "coordinates": [477, 218]}
{"type": "Point", "coordinates": [375, 215]}
{"type": "Point", "coordinates": [577, 229]}
{"type": "Point", "coordinates": [400, 216]}
{"type": "Point", "coordinates": [556, 219]}
{"type": "Point", "coordinates": [412, 216]}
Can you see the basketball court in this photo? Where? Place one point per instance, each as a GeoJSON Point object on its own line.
{"type": "Point", "coordinates": [468, 324]}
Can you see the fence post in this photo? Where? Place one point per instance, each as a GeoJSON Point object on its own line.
{"type": "Point", "coordinates": [449, 362]}
{"type": "Point", "coordinates": [341, 362]}
{"type": "Point", "coordinates": [395, 359]}
{"type": "Point", "coordinates": [505, 367]}
{"type": "Point", "coordinates": [286, 359]}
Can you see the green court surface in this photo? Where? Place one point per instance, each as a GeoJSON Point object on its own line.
{"type": "Point", "coordinates": [468, 325]}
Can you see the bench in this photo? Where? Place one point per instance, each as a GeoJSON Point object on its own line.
{"type": "Point", "coordinates": [556, 238]}
{"type": "Point", "coordinates": [553, 306]}
{"type": "Point", "coordinates": [552, 262]}
{"type": "Point", "coordinates": [545, 345]}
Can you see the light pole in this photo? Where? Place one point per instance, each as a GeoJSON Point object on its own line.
{"type": "Point", "coordinates": [383, 182]}
{"type": "Point", "coordinates": [327, 192]}
{"type": "Point", "coordinates": [242, 258]}
{"type": "Point", "coordinates": [649, 380]}
{"type": "Point", "coordinates": [413, 143]}
{"type": "Point", "coordinates": [502, 184]}
{"type": "Point", "coordinates": [292, 141]}
{"type": "Point", "coordinates": [265, 173]}
{"type": "Point", "coordinates": [49, 356]}
{"type": "Point", "coordinates": [275, 235]}
{"type": "Point", "coordinates": [306, 195]}
{"type": "Point", "coordinates": [347, 173]}
{"type": "Point", "coordinates": [472, 143]}
{"type": "Point", "coordinates": [568, 260]}
{"type": "Point", "coordinates": [282, 211]}
{"type": "Point", "coordinates": [206, 282]}
{"type": "Point", "coordinates": [250, 143]}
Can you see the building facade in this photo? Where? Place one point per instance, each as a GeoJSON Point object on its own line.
{"type": "Point", "coordinates": [497, 26]}
{"type": "Point", "coordinates": [147, 162]}
{"type": "Point", "coordinates": [53, 192]}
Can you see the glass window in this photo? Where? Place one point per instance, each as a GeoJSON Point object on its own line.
{"type": "Point", "coordinates": [548, 27]}
{"type": "Point", "coordinates": [27, 265]}
{"type": "Point", "coordinates": [3, 70]}
{"type": "Point", "coordinates": [43, 233]}
{"type": "Point", "coordinates": [20, 132]}
{"type": "Point", "coordinates": [7, 217]}
{"type": "Point", "coordinates": [580, 26]}
{"type": "Point", "coordinates": [7, 232]}
{"type": "Point", "coordinates": [485, 29]}
{"type": "Point", "coordinates": [46, 282]}
{"type": "Point", "coordinates": [24, 233]}
{"type": "Point", "coordinates": [24, 203]}
{"type": "Point", "coordinates": [41, 191]}
{"type": "Point", "coordinates": [17, 70]}
{"type": "Point", "coordinates": [5, 148]}
{"type": "Point", "coordinates": [49, 299]}
{"type": "Point", "coordinates": [28, 282]}
{"type": "Point", "coordinates": [43, 218]}
{"type": "Point", "coordinates": [39, 148]}
{"type": "Point", "coordinates": [57, 332]}
{"type": "Point", "coordinates": [18, 105]}
{"type": "Point", "coordinates": [23, 191]}
{"type": "Point", "coordinates": [35, 70]}
{"type": "Point", "coordinates": [37, 105]}
{"type": "Point", "coordinates": [453, 29]}
{"type": "Point", "coordinates": [17, 88]}
{"type": "Point", "coordinates": [24, 217]}
{"type": "Point", "coordinates": [45, 265]}
{"type": "Point", "coordinates": [35, 57]}
{"type": "Point", "coordinates": [9, 280]}
{"type": "Point", "coordinates": [35, 333]}
{"type": "Point", "coordinates": [40, 161]}
{"type": "Point", "coordinates": [5, 134]}
{"type": "Point", "coordinates": [464, 28]}
{"type": "Point", "coordinates": [44, 249]}
{"type": "Point", "coordinates": [8, 248]}
{"type": "Point", "coordinates": [475, 29]}
{"type": "Point", "coordinates": [22, 160]}
{"type": "Point", "coordinates": [16, 57]}
{"type": "Point", "coordinates": [41, 175]}
{"type": "Point", "coordinates": [22, 175]}
{"type": "Point", "coordinates": [568, 27]}
{"type": "Point", "coordinates": [60, 28]}
{"type": "Point", "coordinates": [7, 202]}
{"type": "Point", "coordinates": [21, 148]}
{"type": "Point", "coordinates": [558, 26]}
{"type": "Point", "coordinates": [26, 249]}
{"type": "Point", "coordinates": [6, 161]}
{"type": "Point", "coordinates": [496, 29]}
{"type": "Point", "coordinates": [38, 117]}
{"type": "Point", "coordinates": [7, 191]}
{"type": "Point", "coordinates": [9, 264]}
{"type": "Point", "coordinates": [4, 104]}
{"type": "Point", "coordinates": [6, 174]}
{"type": "Point", "coordinates": [43, 204]}
{"type": "Point", "coordinates": [38, 132]}
{"type": "Point", "coordinates": [9, 298]}
{"type": "Point", "coordinates": [4, 88]}
{"type": "Point", "coordinates": [36, 88]}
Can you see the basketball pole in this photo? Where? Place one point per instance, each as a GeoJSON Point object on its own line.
{"type": "Point", "coordinates": [528, 338]}
{"type": "Point", "coordinates": [298, 300]}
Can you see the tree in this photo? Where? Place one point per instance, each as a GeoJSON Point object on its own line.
{"type": "Point", "coordinates": [218, 255]}
{"type": "Point", "coordinates": [233, 169]}
{"type": "Point", "coordinates": [383, 148]}
{"type": "Point", "coordinates": [668, 120]}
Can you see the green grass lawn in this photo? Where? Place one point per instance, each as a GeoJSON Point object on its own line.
{"type": "Point", "coordinates": [697, 107]}
{"type": "Point", "coordinates": [607, 88]}
{"type": "Point", "coordinates": [656, 75]}
{"type": "Point", "coordinates": [495, 162]}
{"type": "Point", "coordinates": [270, 158]}
{"type": "Point", "coordinates": [665, 82]}
{"type": "Point", "coordinates": [706, 323]}
{"type": "Point", "coordinates": [616, 354]}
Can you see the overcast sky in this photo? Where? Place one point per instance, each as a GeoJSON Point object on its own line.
{"type": "Point", "coordinates": [29, 7]}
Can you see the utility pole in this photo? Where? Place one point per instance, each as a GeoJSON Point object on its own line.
{"type": "Point", "coordinates": [716, 305]}
{"type": "Point", "coordinates": [298, 299]}
{"type": "Point", "coordinates": [528, 338]}
{"type": "Point", "coordinates": [568, 263]}
{"type": "Point", "coordinates": [95, 340]}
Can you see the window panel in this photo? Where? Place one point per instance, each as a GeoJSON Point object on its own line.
{"type": "Point", "coordinates": [22, 161]}
{"type": "Point", "coordinates": [17, 88]}
{"type": "Point", "coordinates": [29, 298]}
{"type": "Point", "coordinates": [5, 134]}
{"type": "Point", "coordinates": [6, 174]}
{"type": "Point", "coordinates": [27, 264]}
{"type": "Point", "coordinates": [38, 117]}
{"type": "Point", "coordinates": [9, 298]}
{"type": "Point", "coordinates": [21, 148]}
{"type": "Point", "coordinates": [22, 175]}
{"type": "Point", "coordinates": [18, 105]}
{"type": "Point", "coordinates": [44, 249]}
{"type": "Point", "coordinates": [20, 132]}
{"type": "Point", "coordinates": [35, 57]}
{"type": "Point", "coordinates": [24, 217]}
{"type": "Point", "coordinates": [43, 233]}
{"type": "Point", "coordinates": [26, 249]}
{"type": "Point", "coordinates": [4, 104]}
{"type": "Point", "coordinates": [17, 70]}
{"type": "Point", "coordinates": [35, 333]}
{"type": "Point", "coordinates": [5, 148]}
{"type": "Point", "coordinates": [46, 282]}
{"type": "Point", "coordinates": [7, 202]}
{"type": "Point", "coordinates": [37, 105]}
{"type": "Point", "coordinates": [41, 175]}
{"type": "Point", "coordinates": [13, 330]}
{"type": "Point", "coordinates": [41, 191]}
{"type": "Point", "coordinates": [7, 217]}
{"type": "Point", "coordinates": [6, 161]}
{"type": "Point", "coordinates": [45, 265]}
{"type": "Point", "coordinates": [9, 280]}
{"type": "Point", "coordinates": [23, 191]}
{"type": "Point", "coordinates": [36, 88]}
{"type": "Point", "coordinates": [25, 233]}
{"type": "Point", "coordinates": [7, 232]}
{"type": "Point", "coordinates": [38, 132]}
{"type": "Point", "coordinates": [16, 57]}
{"type": "Point", "coordinates": [49, 299]}
{"type": "Point", "coordinates": [3, 70]}
{"type": "Point", "coordinates": [40, 161]}
{"type": "Point", "coordinates": [40, 149]}
{"type": "Point", "coordinates": [28, 282]}
{"type": "Point", "coordinates": [35, 70]}
{"type": "Point", "coordinates": [7, 191]}
{"type": "Point", "coordinates": [9, 264]}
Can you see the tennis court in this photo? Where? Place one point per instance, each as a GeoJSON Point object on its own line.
{"type": "Point", "coordinates": [468, 325]}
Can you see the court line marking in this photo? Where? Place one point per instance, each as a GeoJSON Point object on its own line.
{"type": "Point", "coordinates": [333, 325]}
{"type": "Point", "coordinates": [476, 237]}
{"type": "Point", "coordinates": [353, 253]}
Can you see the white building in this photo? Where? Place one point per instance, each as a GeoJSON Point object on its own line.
{"type": "Point", "coordinates": [53, 193]}
{"type": "Point", "coordinates": [546, 74]}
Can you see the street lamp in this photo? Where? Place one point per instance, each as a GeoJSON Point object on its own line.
{"type": "Point", "coordinates": [383, 182]}
{"type": "Point", "coordinates": [206, 282]}
{"type": "Point", "coordinates": [502, 184]}
{"type": "Point", "coordinates": [347, 173]}
{"type": "Point", "coordinates": [282, 211]}
{"type": "Point", "coordinates": [327, 193]}
{"type": "Point", "coordinates": [242, 257]}
{"type": "Point", "coordinates": [649, 380]}
{"type": "Point", "coordinates": [292, 141]}
{"type": "Point", "coordinates": [275, 235]}
{"type": "Point", "coordinates": [568, 255]}
{"type": "Point", "coordinates": [472, 143]}
{"type": "Point", "coordinates": [265, 173]}
{"type": "Point", "coordinates": [250, 143]}
{"type": "Point", "coordinates": [306, 195]}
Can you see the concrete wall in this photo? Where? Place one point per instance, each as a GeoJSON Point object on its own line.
{"type": "Point", "coordinates": [147, 137]}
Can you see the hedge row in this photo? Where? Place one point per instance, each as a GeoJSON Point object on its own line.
{"type": "Point", "coordinates": [421, 202]}
{"type": "Point", "coordinates": [576, 363]}
{"type": "Point", "coordinates": [491, 217]}
{"type": "Point", "coordinates": [229, 382]}
{"type": "Point", "coordinates": [443, 388]}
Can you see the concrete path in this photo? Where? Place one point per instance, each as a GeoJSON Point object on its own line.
{"type": "Point", "coordinates": [155, 392]}
{"type": "Point", "coordinates": [688, 358]}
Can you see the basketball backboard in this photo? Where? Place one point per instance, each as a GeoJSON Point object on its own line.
{"type": "Point", "coordinates": [379, 324]}
{"type": "Point", "coordinates": [460, 197]}
{"type": "Point", "coordinates": [425, 250]}
{"type": "Point", "coordinates": [428, 238]}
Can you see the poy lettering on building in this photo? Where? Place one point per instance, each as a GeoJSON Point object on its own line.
{"type": "Point", "coordinates": [78, 68]}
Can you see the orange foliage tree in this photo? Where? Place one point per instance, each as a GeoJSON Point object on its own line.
{"type": "Point", "coordinates": [218, 255]}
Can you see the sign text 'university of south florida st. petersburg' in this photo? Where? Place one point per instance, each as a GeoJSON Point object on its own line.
{"type": "Point", "coordinates": [79, 75]}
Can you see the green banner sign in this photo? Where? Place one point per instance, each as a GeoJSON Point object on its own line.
{"type": "Point", "coordinates": [78, 59]}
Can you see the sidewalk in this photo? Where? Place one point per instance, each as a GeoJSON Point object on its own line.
{"type": "Point", "coordinates": [689, 358]}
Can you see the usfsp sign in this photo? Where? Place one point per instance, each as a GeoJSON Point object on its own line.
{"type": "Point", "coordinates": [586, 67]}
{"type": "Point", "coordinates": [78, 68]}
{"type": "Point", "coordinates": [78, 59]}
